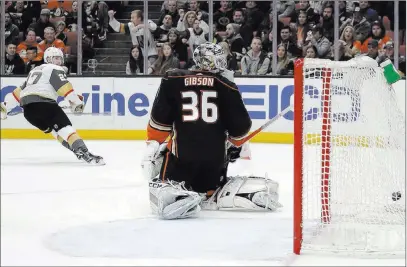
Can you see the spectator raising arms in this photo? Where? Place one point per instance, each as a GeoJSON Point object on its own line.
{"type": "Point", "coordinates": [30, 41]}
{"type": "Point", "coordinates": [135, 65]}
{"type": "Point", "coordinates": [13, 62]}
{"type": "Point", "coordinates": [255, 62]}
{"type": "Point", "coordinates": [166, 60]}
{"type": "Point", "coordinates": [187, 21]}
{"type": "Point", "coordinates": [135, 28]}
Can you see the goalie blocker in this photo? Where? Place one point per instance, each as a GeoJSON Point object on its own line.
{"type": "Point", "coordinates": [200, 110]}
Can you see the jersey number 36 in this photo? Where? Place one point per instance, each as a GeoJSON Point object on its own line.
{"type": "Point", "coordinates": [200, 106]}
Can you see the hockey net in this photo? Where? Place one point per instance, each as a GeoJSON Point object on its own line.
{"type": "Point", "coordinates": [349, 165]}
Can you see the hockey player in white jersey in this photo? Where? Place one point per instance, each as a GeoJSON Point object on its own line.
{"type": "Point", "coordinates": [192, 176]}
{"type": "Point", "coordinates": [37, 96]}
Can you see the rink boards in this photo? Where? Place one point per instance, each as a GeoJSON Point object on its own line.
{"type": "Point", "coordinates": [118, 108]}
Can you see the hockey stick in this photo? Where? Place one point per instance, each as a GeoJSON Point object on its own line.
{"type": "Point", "coordinates": [261, 128]}
{"type": "Point", "coordinates": [20, 111]}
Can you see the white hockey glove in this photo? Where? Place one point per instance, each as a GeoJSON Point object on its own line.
{"type": "Point", "coordinates": [3, 111]}
{"type": "Point", "coordinates": [153, 159]}
{"type": "Point", "coordinates": [77, 105]}
{"type": "Point", "coordinates": [171, 200]}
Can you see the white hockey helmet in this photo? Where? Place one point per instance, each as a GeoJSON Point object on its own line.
{"type": "Point", "coordinates": [210, 57]}
{"type": "Point", "coordinates": [53, 55]}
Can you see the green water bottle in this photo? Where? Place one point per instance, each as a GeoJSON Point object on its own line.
{"type": "Point", "coordinates": [390, 72]}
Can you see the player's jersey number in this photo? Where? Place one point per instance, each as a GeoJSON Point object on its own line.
{"type": "Point", "coordinates": [200, 106]}
{"type": "Point", "coordinates": [34, 78]}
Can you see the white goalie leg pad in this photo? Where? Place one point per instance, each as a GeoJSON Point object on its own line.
{"type": "Point", "coordinates": [170, 200]}
{"type": "Point", "coordinates": [249, 193]}
{"type": "Point", "coordinates": [153, 159]}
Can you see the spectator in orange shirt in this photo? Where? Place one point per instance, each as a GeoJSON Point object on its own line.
{"type": "Point", "coordinates": [30, 41]}
{"type": "Point", "coordinates": [378, 33]}
{"type": "Point", "coordinates": [50, 40]}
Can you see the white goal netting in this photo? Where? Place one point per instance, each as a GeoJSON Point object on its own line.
{"type": "Point", "coordinates": [353, 159]}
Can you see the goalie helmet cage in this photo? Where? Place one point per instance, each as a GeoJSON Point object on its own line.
{"type": "Point", "coordinates": [349, 159]}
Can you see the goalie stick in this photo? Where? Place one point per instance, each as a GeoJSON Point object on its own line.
{"type": "Point", "coordinates": [20, 111]}
{"type": "Point", "coordinates": [261, 128]}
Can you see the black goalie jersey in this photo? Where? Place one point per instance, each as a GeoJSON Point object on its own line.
{"type": "Point", "coordinates": [199, 110]}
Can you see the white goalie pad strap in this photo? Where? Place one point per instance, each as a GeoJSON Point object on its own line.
{"type": "Point", "coordinates": [171, 201]}
{"type": "Point", "coordinates": [250, 193]}
{"type": "Point", "coordinates": [153, 159]}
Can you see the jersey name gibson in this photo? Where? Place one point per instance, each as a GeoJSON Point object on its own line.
{"type": "Point", "coordinates": [199, 81]}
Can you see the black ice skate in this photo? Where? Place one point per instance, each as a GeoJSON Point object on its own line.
{"type": "Point", "coordinates": [84, 155]}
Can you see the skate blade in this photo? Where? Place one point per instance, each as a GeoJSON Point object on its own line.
{"type": "Point", "coordinates": [101, 162]}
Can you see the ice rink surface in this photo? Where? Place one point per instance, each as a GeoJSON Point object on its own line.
{"type": "Point", "coordinates": [56, 210]}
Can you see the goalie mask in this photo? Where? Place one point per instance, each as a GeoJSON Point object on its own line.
{"type": "Point", "coordinates": [210, 57]}
{"type": "Point", "coordinates": [54, 55]}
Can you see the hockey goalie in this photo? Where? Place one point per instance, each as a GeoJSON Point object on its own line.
{"type": "Point", "coordinates": [202, 112]}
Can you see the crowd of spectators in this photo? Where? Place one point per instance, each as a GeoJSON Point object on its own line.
{"type": "Point", "coordinates": [243, 28]}
{"type": "Point", "coordinates": [33, 26]}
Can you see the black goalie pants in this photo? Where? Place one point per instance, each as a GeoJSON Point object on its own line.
{"type": "Point", "coordinates": [200, 177]}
